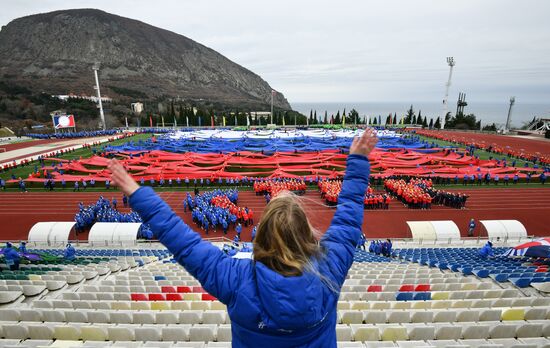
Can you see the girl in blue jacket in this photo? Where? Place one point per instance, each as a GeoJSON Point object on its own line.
{"type": "Point", "coordinates": [287, 295]}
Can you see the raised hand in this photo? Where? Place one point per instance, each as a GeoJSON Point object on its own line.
{"type": "Point", "coordinates": [121, 178]}
{"type": "Point", "coordinates": [365, 144]}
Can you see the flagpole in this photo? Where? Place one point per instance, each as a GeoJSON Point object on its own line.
{"type": "Point", "coordinates": [272, 91]}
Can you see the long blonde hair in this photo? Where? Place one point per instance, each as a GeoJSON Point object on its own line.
{"type": "Point", "coordinates": [285, 241]}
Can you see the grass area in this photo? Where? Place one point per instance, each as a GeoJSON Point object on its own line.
{"type": "Point", "coordinates": [24, 172]}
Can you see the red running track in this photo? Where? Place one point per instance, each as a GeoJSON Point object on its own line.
{"type": "Point", "coordinates": [20, 211]}
{"type": "Point", "coordinates": [528, 144]}
{"type": "Point", "coordinates": [24, 144]}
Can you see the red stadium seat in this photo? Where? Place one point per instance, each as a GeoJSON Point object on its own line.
{"type": "Point", "coordinates": [174, 297]}
{"type": "Point", "coordinates": [183, 289]}
{"type": "Point", "coordinates": [208, 297]}
{"type": "Point", "coordinates": [541, 269]}
{"type": "Point", "coordinates": [406, 287]}
{"type": "Point", "coordinates": [157, 297]}
{"type": "Point", "coordinates": [374, 288]}
{"type": "Point", "coordinates": [139, 297]}
{"type": "Point", "coordinates": [168, 289]}
{"type": "Point", "coordinates": [422, 287]}
{"type": "Point", "coordinates": [197, 289]}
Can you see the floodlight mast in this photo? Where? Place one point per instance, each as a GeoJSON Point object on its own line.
{"type": "Point", "coordinates": [451, 63]}
{"type": "Point", "coordinates": [512, 102]}
{"type": "Point", "coordinates": [101, 114]}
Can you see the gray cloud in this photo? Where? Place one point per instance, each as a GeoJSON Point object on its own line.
{"type": "Point", "coordinates": [360, 50]}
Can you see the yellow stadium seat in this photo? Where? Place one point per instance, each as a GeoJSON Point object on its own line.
{"type": "Point", "coordinates": [513, 314]}
{"type": "Point", "coordinates": [160, 306]}
{"type": "Point", "coordinates": [396, 333]}
{"type": "Point", "coordinates": [440, 295]}
{"type": "Point", "coordinates": [35, 277]}
{"type": "Point", "coordinates": [192, 296]}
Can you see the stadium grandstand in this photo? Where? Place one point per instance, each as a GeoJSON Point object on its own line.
{"type": "Point", "coordinates": [94, 272]}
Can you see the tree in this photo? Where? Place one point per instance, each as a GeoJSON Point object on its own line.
{"type": "Point", "coordinates": [337, 118]}
{"type": "Point", "coordinates": [315, 120]}
{"type": "Point", "coordinates": [409, 115]}
{"type": "Point", "coordinates": [419, 117]}
{"type": "Point", "coordinates": [437, 123]}
{"type": "Point", "coordinates": [414, 120]}
{"type": "Point", "coordinates": [424, 122]}
{"type": "Point", "coordinates": [325, 120]}
{"type": "Point", "coordinates": [491, 128]}
{"type": "Point", "coordinates": [354, 116]}
{"type": "Point", "coordinates": [374, 121]}
{"type": "Point", "coordinates": [395, 118]}
{"type": "Point", "coordinates": [462, 121]}
{"type": "Point", "coordinates": [418, 120]}
{"type": "Point", "coordinates": [431, 125]}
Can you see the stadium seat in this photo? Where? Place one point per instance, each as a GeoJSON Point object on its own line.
{"type": "Point", "coordinates": [203, 333]}
{"type": "Point", "coordinates": [176, 333]}
{"type": "Point", "coordinates": [394, 333]}
{"type": "Point", "coordinates": [139, 297]}
{"type": "Point", "coordinates": [513, 314]}
{"type": "Point", "coordinates": [374, 288]}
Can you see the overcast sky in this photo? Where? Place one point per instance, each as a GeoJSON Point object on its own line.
{"type": "Point", "coordinates": [359, 51]}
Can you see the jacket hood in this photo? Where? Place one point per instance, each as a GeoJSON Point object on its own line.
{"type": "Point", "coordinates": [291, 303]}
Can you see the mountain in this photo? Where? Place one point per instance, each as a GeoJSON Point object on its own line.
{"type": "Point", "coordinates": [54, 53]}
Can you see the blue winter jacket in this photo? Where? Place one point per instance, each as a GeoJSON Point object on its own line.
{"type": "Point", "coordinates": [486, 251]}
{"type": "Point", "coordinates": [11, 255]}
{"type": "Point", "coordinates": [70, 253]}
{"type": "Point", "coordinates": [268, 309]}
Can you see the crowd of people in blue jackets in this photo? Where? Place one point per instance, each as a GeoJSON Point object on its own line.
{"type": "Point", "coordinates": [13, 257]}
{"type": "Point", "coordinates": [70, 135]}
{"type": "Point", "coordinates": [379, 247]}
{"type": "Point", "coordinates": [105, 210]}
{"type": "Point", "coordinates": [209, 216]}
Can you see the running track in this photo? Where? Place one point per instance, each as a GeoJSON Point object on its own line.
{"type": "Point", "coordinates": [516, 142]}
{"type": "Point", "coordinates": [20, 211]}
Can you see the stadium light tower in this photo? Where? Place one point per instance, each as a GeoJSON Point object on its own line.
{"type": "Point", "coordinates": [512, 101]}
{"type": "Point", "coordinates": [96, 68]}
{"type": "Point", "coordinates": [451, 63]}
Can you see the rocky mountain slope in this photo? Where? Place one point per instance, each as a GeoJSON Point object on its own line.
{"type": "Point", "coordinates": [54, 53]}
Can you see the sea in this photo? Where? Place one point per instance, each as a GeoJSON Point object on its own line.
{"type": "Point", "coordinates": [488, 113]}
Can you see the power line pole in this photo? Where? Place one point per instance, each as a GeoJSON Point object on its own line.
{"type": "Point", "coordinates": [451, 63]}
{"type": "Point", "coordinates": [101, 114]}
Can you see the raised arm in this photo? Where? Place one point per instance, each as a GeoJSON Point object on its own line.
{"type": "Point", "coordinates": [217, 272]}
{"type": "Point", "coordinates": [342, 237]}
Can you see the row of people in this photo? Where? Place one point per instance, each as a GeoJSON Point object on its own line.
{"type": "Point", "coordinates": [542, 159]}
{"type": "Point", "coordinates": [13, 257]}
{"type": "Point", "coordinates": [275, 186]}
{"type": "Point", "coordinates": [330, 190]}
{"type": "Point", "coordinates": [410, 193]}
{"type": "Point", "coordinates": [379, 247]}
{"type": "Point", "coordinates": [71, 135]}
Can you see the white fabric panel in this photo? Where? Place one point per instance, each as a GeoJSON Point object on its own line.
{"type": "Point", "coordinates": [275, 134]}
